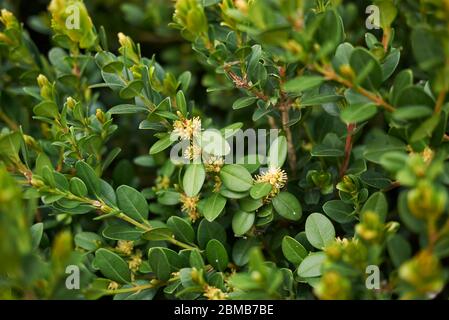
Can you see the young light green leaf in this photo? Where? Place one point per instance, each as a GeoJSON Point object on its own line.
{"type": "Point", "coordinates": [293, 250]}
{"type": "Point", "coordinates": [242, 222]}
{"type": "Point", "coordinates": [193, 179]}
{"type": "Point", "coordinates": [278, 152]}
{"type": "Point", "coordinates": [236, 178]}
{"type": "Point", "coordinates": [319, 230]}
{"type": "Point", "coordinates": [311, 265]}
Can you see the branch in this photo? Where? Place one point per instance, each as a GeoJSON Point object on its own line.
{"type": "Point", "coordinates": [330, 74]}
{"type": "Point", "coordinates": [348, 149]}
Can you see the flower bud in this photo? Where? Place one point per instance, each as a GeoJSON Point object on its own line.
{"type": "Point", "coordinates": [71, 19]}
{"type": "Point", "coordinates": [424, 273]}
{"type": "Point", "coordinates": [45, 86]}
{"type": "Point", "coordinates": [190, 16]}
{"type": "Point", "coordinates": [371, 228]}
{"type": "Point", "coordinates": [426, 201]}
{"type": "Point", "coordinates": [8, 19]}
{"type": "Point", "coordinates": [333, 286]}
{"type": "Point", "coordinates": [347, 72]}
{"type": "Point", "coordinates": [101, 117]}
{"type": "Point", "coordinates": [128, 48]}
{"type": "Point", "coordinates": [71, 103]}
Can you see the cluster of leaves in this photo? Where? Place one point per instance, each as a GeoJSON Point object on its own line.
{"type": "Point", "coordinates": [357, 178]}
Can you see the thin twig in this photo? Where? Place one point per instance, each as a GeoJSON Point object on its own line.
{"type": "Point", "coordinates": [348, 149]}
{"type": "Point", "coordinates": [440, 102]}
{"type": "Point", "coordinates": [330, 74]}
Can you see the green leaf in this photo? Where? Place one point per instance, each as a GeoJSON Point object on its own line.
{"type": "Point", "coordinates": [112, 266]}
{"type": "Point", "coordinates": [236, 178]}
{"type": "Point", "coordinates": [427, 48]}
{"type": "Point", "coordinates": [287, 206]}
{"type": "Point", "coordinates": [210, 230]}
{"type": "Point", "coordinates": [381, 145]}
{"type": "Point", "coordinates": [319, 230]}
{"type": "Point", "coordinates": [243, 102]}
{"type": "Point", "coordinates": [181, 103]}
{"type": "Point", "coordinates": [159, 263]}
{"type": "Point", "coordinates": [193, 179]}
{"type": "Point", "coordinates": [158, 234]}
{"type": "Point", "coordinates": [311, 265]}
{"type": "Point", "coordinates": [278, 152]}
{"type": "Point", "coordinates": [37, 230]}
{"type": "Point", "coordinates": [426, 128]}
{"type": "Point", "coordinates": [196, 260]}
{"type": "Point", "coordinates": [249, 204]}
{"type": "Point", "coordinates": [77, 187]}
{"type": "Point", "coordinates": [88, 240]}
{"type": "Point", "coordinates": [367, 68]}
{"type": "Point", "coordinates": [216, 255]}
{"type": "Point", "coordinates": [377, 203]}
{"type": "Point", "coordinates": [213, 206]}
{"type": "Point", "coordinates": [46, 109]}
{"type": "Point", "coordinates": [161, 145]}
{"type": "Point", "coordinates": [127, 109]}
{"type": "Point", "coordinates": [132, 90]}
{"type": "Point", "coordinates": [303, 83]}
{"type": "Point", "coordinates": [132, 203]}
{"type": "Point", "coordinates": [412, 112]}
{"type": "Point", "coordinates": [122, 232]}
{"type": "Point", "coordinates": [398, 249]}
{"type": "Point", "coordinates": [339, 211]}
{"type": "Point", "coordinates": [242, 222]}
{"type": "Point", "coordinates": [260, 190]}
{"type": "Point", "coordinates": [331, 146]}
{"type": "Point", "coordinates": [89, 177]}
{"type": "Point", "coordinates": [182, 230]}
{"type": "Point", "coordinates": [293, 250]}
{"type": "Point", "coordinates": [357, 113]}
{"type": "Point", "coordinates": [241, 250]}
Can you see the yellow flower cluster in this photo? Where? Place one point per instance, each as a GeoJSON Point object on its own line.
{"type": "Point", "coordinates": [187, 129]}
{"type": "Point", "coordinates": [189, 205]}
{"type": "Point", "coordinates": [274, 176]}
{"type": "Point", "coordinates": [125, 247]}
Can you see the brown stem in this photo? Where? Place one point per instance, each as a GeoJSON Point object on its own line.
{"type": "Point", "coordinates": [244, 84]}
{"type": "Point", "coordinates": [9, 122]}
{"type": "Point", "coordinates": [348, 148]}
{"type": "Point", "coordinates": [440, 101]}
{"type": "Point", "coordinates": [330, 74]}
{"type": "Point", "coordinates": [290, 146]}
{"type": "Point", "coordinates": [386, 38]}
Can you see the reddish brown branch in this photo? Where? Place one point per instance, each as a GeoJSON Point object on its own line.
{"type": "Point", "coordinates": [348, 149]}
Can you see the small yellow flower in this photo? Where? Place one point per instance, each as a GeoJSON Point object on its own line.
{"type": "Point", "coordinates": [135, 261]}
{"type": "Point", "coordinates": [125, 247]}
{"type": "Point", "coordinates": [213, 293]}
{"type": "Point", "coordinates": [217, 184]}
{"type": "Point", "coordinates": [274, 176]}
{"type": "Point", "coordinates": [187, 129]}
{"type": "Point", "coordinates": [113, 285]}
{"type": "Point", "coordinates": [213, 164]}
{"type": "Point", "coordinates": [189, 205]}
{"type": "Point", "coordinates": [162, 183]}
{"type": "Point", "coordinates": [192, 152]}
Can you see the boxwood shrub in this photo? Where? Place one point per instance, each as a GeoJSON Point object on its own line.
{"type": "Point", "coordinates": [349, 199]}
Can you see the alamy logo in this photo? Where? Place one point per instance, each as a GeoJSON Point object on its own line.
{"type": "Point", "coordinates": [230, 146]}
{"type": "Point", "coordinates": [373, 20]}
{"type": "Point", "coordinates": [72, 22]}
{"type": "Point", "coordinates": [372, 281]}
{"type": "Point", "coordinates": [72, 282]}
